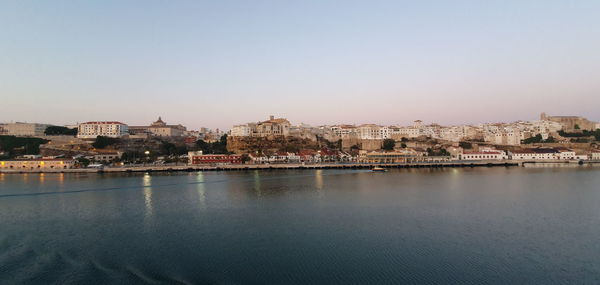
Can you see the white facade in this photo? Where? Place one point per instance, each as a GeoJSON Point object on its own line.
{"type": "Point", "coordinates": [484, 155]}
{"type": "Point", "coordinates": [91, 130]}
{"type": "Point", "coordinates": [241, 131]}
{"type": "Point", "coordinates": [534, 155]}
{"type": "Point", "coordinates": [408, 132]}
{"type": "Point", "coordinates": [373, 132]}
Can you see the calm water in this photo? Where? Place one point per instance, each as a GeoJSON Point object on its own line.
{"type": "Point", "coordinates": [440, 226]}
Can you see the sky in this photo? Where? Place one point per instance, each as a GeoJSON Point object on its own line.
{"type": "Point", "coordinates": [219, 63]}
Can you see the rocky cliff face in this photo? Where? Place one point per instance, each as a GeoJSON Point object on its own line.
{"type": "Point", "coordinates": [269, 145]}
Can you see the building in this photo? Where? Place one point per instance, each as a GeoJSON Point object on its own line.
{"type": "Point", "coordinates": [106, 157]}
{"type": "Point", "coordinates": [535, 154]}
{"type": "Point", "coordinates": [40, 163]}
{"type": "Point", "coordinates": [373, 132]}
{"type": "Point", "coordinates": [271, 127]}
{"type": "Point", "coordinates": [159, 128]}
{"type": "Point", "coordinates": [570, 123]}
{"type": "Point", "coordinates": [244, 130]}
{"type": "Point", "coordinates": [25, 129]}
{"type": "Point", "coordinates": [197, 157]}
{"type": "Point", "coordinates": [404, 156]}
{"type": "Point", "coordinates": [595, 155]}
{"type": "Point", "coordinates": [91, 130]}
{"type": "Point", "coordinates": [483, 155]}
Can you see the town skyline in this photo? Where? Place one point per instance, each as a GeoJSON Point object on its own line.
{"type": "Point", "coordinates": [197, 126]}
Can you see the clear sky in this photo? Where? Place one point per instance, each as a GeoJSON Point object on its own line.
{"type": "Point", "coordinates": [218, 63]}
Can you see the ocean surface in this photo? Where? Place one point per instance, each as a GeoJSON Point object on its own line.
{"type": "Point", "coordinates": [498, 225]}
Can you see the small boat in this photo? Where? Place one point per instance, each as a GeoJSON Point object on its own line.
{"type": "Point", "coordinates": [378, 169]}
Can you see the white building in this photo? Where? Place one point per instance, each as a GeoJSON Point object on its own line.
{"type": "Point", "coordinates": [373, 132]}
{"type": "Point", "coordinates": [535, 154]}
{"type": "Point", "coordinates": [407, 132]}
{"type": "Point", "coordinates": [244, 130]}
{"type": "Point", "coordinates": [595, 155]}
{"type": "Point", "coordinates": [91, 130]}
{"type": "Point", "coordinates": [483, 155]}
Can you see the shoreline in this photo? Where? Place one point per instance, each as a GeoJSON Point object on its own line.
{"type": "Point", "coordinates": [195, 168]}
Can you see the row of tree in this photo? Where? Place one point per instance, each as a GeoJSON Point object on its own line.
{"type": "Point", "coordinates": [13, 146]}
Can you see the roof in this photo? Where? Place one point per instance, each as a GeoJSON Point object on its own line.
{"type": "Point", "coordinates": [483, 152]}
{"type": "Point", "coordinates": [103, 122]}
{"type": "Point", "coordinates": [536, 150]}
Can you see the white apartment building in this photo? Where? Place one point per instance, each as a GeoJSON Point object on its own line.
{"type": "Point", "coordinates": [373, 132]}
{"type": "Point", "coordinates": [25, 129]}
{"type": "Point", "coordinates": [344, 131]}
{"type": "Point", "coordinates": [595, 155]}
{"type": "Point", "coordinates": [91, 130]}
{"type": "Point", "coordinates": [241, 131]}
{"type": "Point", "coordinates": [408, 132]}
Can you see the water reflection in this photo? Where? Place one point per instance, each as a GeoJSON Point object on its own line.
{"type": "Point", "coordinates": [256, 187]}
{"type": "Point", "coordinates": [42, 178]}
{"type": "Point", "coordinates": [147, 183]}
{"type": "Point", "coordinates": [201, 190]}
{"type": "Point", "coordinates": [319, 179]}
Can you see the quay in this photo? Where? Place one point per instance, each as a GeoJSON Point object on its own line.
{"type": "Point", "coordinates": [238, 167]}
{"type": "Point", "coordinates": [241, 167]}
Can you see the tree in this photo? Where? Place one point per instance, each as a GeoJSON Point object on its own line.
{"type": "Point", "coordinates": [403, 145]}
{"type": "Point", "coordinates": [465, 145]}
{"type": "Point", "coordinates": [13, 145]}
{"type": "Point", "coordinates": [218, 147]}
{"type": "Point", "coordinates": [404, 139]}
{"type": "Point", "coordinates": [103, 142]}
{"type": "Point", "coordinates": [577, 127]}
{"type": "Point", "coordinates": [60, 131]}
{"type": "Point", "coordinates": [550, 140]}
{"type": "Point", "coordinates": [536, 139]}
{"type": "Point", "coordinates": [389, 144]}
{"type": "Point", "coordinates": [245, 158]}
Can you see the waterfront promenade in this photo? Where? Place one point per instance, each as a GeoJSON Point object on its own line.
{"type": "Point", "coordinates": [186, 167]}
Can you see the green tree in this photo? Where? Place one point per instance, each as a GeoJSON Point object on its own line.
{"type": "Point", "coordinates": [218, 147]}
{"type": "Point", "coordinates": [577, 127]}
{"type": "Point", "coordinates": [403, 145]}
{"type": "Point", "coordinates": [465, 145]}
{"type": "Point", "coordinates": [60, 131]}
{"type": "Point", "coordinates": [14, 146]}
{"type": "Point", "coordinates": [103, 142]}
{"type": "Point", "coordinates": [536, 139]}
{"type": "Point", "coordinates": [389, 144]}
{"type": "Point", "coordinates": [245, 158]}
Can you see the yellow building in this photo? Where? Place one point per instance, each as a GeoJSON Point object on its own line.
{"type": "Point", "coordinates": [32, 164]}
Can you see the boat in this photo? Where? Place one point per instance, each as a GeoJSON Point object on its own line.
{"type": "Point", "coordinates": [378, 169]}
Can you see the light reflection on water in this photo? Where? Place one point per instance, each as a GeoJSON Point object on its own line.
{"type": "Point", "coordinates": [201, 190]}
{"type": "Point", "coordinates": [147, 184]}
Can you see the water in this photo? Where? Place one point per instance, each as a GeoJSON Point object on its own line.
{"type": "Point", "coordinates": [421, 226]}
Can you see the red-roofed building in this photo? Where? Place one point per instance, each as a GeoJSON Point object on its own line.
{"type": "Point", "coordinates": [199, 158]}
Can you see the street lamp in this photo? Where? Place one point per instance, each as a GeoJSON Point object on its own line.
{"type": "Point", "coordinates": [147, 153]}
